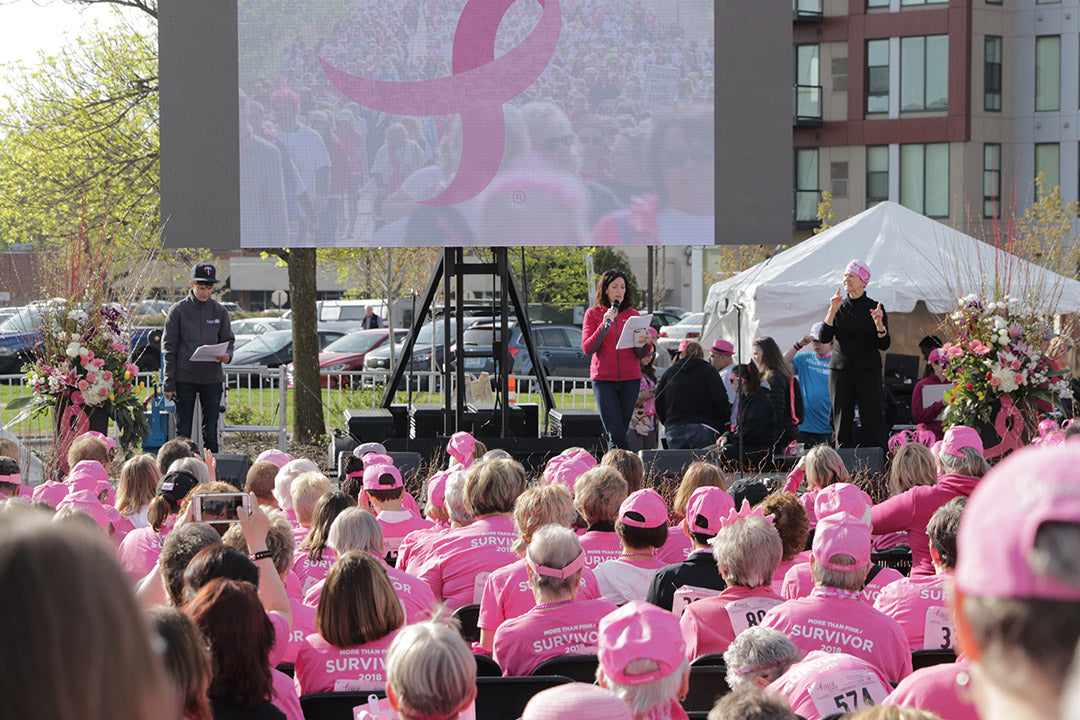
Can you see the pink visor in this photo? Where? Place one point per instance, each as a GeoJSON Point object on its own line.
{"type": "Point", "coordinates": [382, 477]}
{"type": "Point", "coordinates": [639, 630]}
{"type": "Point", "coordinates": [275, 456]}
{"type": "Point", "coordinates": [841, 534]}
{"type": "Point", "coordinates": [843, 497]}
{"type": "Point", "coordinates": [644, 509]}
{"type": "Point", "coordinates": [14, 479]}
{"type": "Point", "coordinates": [722, 347]}
{"type": "Point", "coordinates": [109, 442]}
{"type": "Point", "coordinates": [576, 699]}
{"type": "Point", "coordinates": [561, 573]}
{"type": "Point", "coordinates": [958, 437]}
{"type": "Point", "coordinates": [996, 554]}
{"type": "Point", "coordinates": [706, 508]}
{"type": "Point", "coordinates": [859, 268]}
{"type": "Point", "coordinates": [86, 501]}
{"type": "Point", "coordinates": [461, 447]}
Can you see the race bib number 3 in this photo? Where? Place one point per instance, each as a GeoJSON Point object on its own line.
{"type": "Point", "coordinates": [748, 612]}
{"type": "Point", "coordinates": [846, 691]}
{"type": "Point", "coordinates": [938, 633]}
{"type": "Point", "coordinates": [688, 594]}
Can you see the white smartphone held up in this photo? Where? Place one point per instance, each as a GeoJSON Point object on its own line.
{"type": "Point", "coordinates": [219, 508]}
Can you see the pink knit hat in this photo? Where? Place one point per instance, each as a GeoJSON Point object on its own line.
{"type": "Point", "coordinates": [275, 456]}
{"type": "Point", "coordinates": [461, 446]}
{"type": "Point", "coordinates": [576, 699]}
{"type": "Point", "coordinates": [858, 267]}
{"type": "Point", "coordinates": [706, 508]}
{"type": "Point", "coordinates": [996, 542]}
{"type": "Point", "coordinates": [639, 630]}
{"type": "Point", "coordinates": [841, 533]}
{"type": "Point", "coordinates": [86, 501]}
{"type": "Point", "coordinates": [647, 507]}
{"type": "Point", "coordinates": [958, 437]}
{"type": "Point", "coordinates": [843, 497]}
{"type": "Point", "coordinates": [382, 477]}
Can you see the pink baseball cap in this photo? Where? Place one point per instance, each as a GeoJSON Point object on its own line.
{"type": "Point", "coordinates": [722, 347]}
{"type": "Point", "coordinates": [382, 477]}
{"type": "Point", "coordinates": [566, 472]}
{"type": "Point", "coordinates": [436, 489]}
{"type": "Point", "coordinates": [843, 497]}
{"type": "Point", "coordinates": [996, 543]}
{"type": "Point", "coordinates": [86, 501]}
{"type": "Point", "coordinates": [654, 332]}
{"type": "Point", "coordinates": [88, 475]}
{"type": "Point", "coordinates": [635, 631]}
{"type": "Point", "coordinates": [936, 356]}
{"type": "Point", "coordinates": [275, 456]}
{"type": "Point", "coordinates": [109, 442]}
{"type": "Point", "coordinates": [960, 436]}
{"type": "Point", "coordinates": [562, 701]}
{"type": "Point", "coordinates": [858, 267]}
{"type": "Point", "coordinates": [649, 509]}
{"type": "Point", "coordinates": [705, 510]}
{"type": "Point", "coordinates": [376, 459]}
{"type": "Point", "coordinates": [581, 454]}
{"type": "Point", "coordinates": [683, 344]}
{"type": "Point", "coordinates": [461, 447]}
{"type": "Point", "coordinates": [841, 533]}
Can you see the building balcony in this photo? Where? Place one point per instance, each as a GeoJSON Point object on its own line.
{"type": "Point", "coordinates": [806, 101]}
{"type": "Point", "coordinates": [807, 11]}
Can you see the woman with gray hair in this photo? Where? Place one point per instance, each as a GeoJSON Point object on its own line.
{"type": "Point", "coordinates": [357, 529]}
{"type": "Point", "coordinates": [747, 550]}
{"type": "Point", "coordinates": [283, 485]}
{"type": "Point", "coordinates": [559, 624]}
{"type": "Point", "coordinates": [961, 465]}
{"type": "Point", "coordinates": [758, 656]}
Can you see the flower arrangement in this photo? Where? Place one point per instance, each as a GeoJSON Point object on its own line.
{"type": "Point", "coordinates": [996, 352]}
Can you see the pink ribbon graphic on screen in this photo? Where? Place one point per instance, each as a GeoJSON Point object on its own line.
{"type": "Point", "coordinates": [476, 90]}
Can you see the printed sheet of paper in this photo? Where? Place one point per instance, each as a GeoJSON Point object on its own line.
{"type": "Point", "coordinates": [209, 353]}
{"type": "Point", "coordinates": [629, 336]}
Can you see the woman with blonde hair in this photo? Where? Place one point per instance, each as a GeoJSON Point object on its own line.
{"type": "Point", "coordinates": [821, 467]}
{"type": "Point", "coordinates": [357, 618]}
{"type": "Point", "coordinates": [912, 465]}
{"type": "Point", "coordinates": [138, 484]}
{"type": "Point", "coordinates": [506, 591]}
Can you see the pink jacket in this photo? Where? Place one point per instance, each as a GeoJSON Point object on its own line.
{"type": "Point", "coordinates": [607, 362]}
{"type": "Point", "coordinates": [911, 511]}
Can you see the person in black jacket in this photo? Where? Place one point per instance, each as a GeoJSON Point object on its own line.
{"type": "Point", "coordinates": [755, 427]}
{"type": "Point", "coordinates": [691, 401]}
{"type": "Point", "coordinates": [860, 328]}
{"type": "Point", "coordinates": [783, 390]}
{"type": "Point", "coordinates": [707, 507]}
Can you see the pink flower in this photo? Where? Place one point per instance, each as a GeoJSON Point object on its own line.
{"type": "Point", "coordinates": [91, 377]}
{"type": "Point", "coordinates": [1019, 379]}
{"type": "Point", "coordinates": [103, 392]}
{"type": "Point", "coordinates": [98, 363]}
{"type": "Point", "coordinates": [1015, 364]}
{"type": "Point", "coordinates": [953, 351]}
{"type": "Point", "coordinates": [83, 384]}
{"type": "Point", "coordinates": [995, 382]}
{"type": "Point", "coordinates": [119, 346]}
{"type": "Point", "coordinates": [107, 375]}
{"type": "Point", "coordinates": [978, 347]}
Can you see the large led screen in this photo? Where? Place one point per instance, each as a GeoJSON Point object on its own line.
{"type": "Point", "coordinates": [476, 123]}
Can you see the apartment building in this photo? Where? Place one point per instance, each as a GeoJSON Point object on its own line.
{"type": "Point", "coordinates": [949, 107]}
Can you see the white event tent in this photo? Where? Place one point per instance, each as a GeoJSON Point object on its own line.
{"type": "Point", "coordinates": [919, 268]}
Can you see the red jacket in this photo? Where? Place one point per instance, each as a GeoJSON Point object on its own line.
{"type": "Point", "coordinates": [607, 362]}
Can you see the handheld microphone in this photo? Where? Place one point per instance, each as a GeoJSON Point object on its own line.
{"type": "Point", "coordinates": [615, 304]}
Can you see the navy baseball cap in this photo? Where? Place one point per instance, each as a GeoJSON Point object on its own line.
{"type": "Point", "coordinates": [204, 272]}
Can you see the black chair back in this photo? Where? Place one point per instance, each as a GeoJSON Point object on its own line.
{"type": "Point", "coordinates": [580, 668]}
{"type": "Point", "coordinates": [468, 616]}
{"type": "Point", "coordinates": [486, 667]}
{"type": "Point", "coordinates": [926, 658]}
{"type": "Point", "coordinates": [707, 684]}
{"type": "Point", "coordinates": [335, 705]}
{"type": "Point", "coordinates": [506, 697]}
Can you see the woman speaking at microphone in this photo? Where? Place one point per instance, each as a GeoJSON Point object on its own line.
{"type": "Point", "coordinates": [616, 374]}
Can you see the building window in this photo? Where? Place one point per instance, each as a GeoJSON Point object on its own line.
{"type": "Point", "coordinates": [993, 2]}
{"type": "Point", "coordinates": [924, 73]}
{"type": "Point", "coordinates": [924, 178]}
{"type": "Point", "coordinates": [1048, 72]}
{"type": "Point", "coordinates": [1047, 2]}
{"type": "Point", "coordinates": [877, 3]}
{"type": "Point", "coordinates": [806, 185]}
{"type": "Point", "coordinates": [992, 73]}
{"type": "Point", "coordinates": [808, 82]}
{"type": "Point", "coordinates": [877, 76]}
{"type": "Point", "coordinates": [1047, 164]}
{"type": "Point", "coordinates": [992, 180]}
{"type": "Point", "coordinates": [877, 174]}
{"type": "Point", "coordinates": [924, 2]}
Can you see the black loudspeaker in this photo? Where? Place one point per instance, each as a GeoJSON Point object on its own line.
{"type": "Point", "coordinates": [523, 421]}
{"type": "Point", "coordinates": [407, 463]}
{"type": "Point", "coordinates": [426, 420]}
{"type": "Point", "coordinates": [400, 411]}
{"type": "Point", "coordinates": [233, 469]}
{"type": "Point", "coordinates": [863, 459]}
{"type": "Point", "coordinates": [370, 425]}
{"type": "Point", "coordinates": [575, 422]}
{"type": "Point", "coordinates": [673, 463]}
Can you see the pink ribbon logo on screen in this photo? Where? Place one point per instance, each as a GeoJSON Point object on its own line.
{"type": "Point", "coordinates": [476, 90]}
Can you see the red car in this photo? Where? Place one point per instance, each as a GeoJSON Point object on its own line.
{"type": "Point", "coordinates": [346, 354]}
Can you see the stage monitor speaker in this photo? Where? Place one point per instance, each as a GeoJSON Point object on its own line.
{"type": "Point", "coordinates": [524, 421]}
{"type": "Point", "coordinates": [400, 411]}
{"type": "Point", "coordinates": [863, 459]}
{"type": "Point", "coordinates": [370, 425]}
{"type": "Point", "coordinates": [426, 420]}
{"type": "Point", "coordinates": [575, 422]}
{"type": "Point", "coordinates": [232, 468]}
{"type": "Point", "coordinates": [673, 463]}
{"type": "Point", "coordinates": [407, 463]}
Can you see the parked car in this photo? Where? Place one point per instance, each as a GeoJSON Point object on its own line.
{"type": "Point", "coordinates": [346, 315]}
{"type": "Point", "coordinates": [151, 307]}
{"type": "Point", "coordinates": [673, 310]}
{"type": "Point", "coordinates": [426, 353]}
{"type": "Point", "coordinates": [347, 353]}
{"type": "Point", "coordinates": [18, 334]}
{"type": "Point", "coordinates": [663, 318]}
{"type": "Point", "coordinates": [247, 329]}
{"type": "Point", "coordinates": [559, 347]}
{"type": "Point", "coordinates": [689, 328]}
{"type": "Point", "coordinates": [269, 350]}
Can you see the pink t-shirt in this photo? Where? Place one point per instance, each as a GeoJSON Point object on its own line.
{"type": "Point", "coordinates": [285, 698]}
{"type": "Point", "coordinates": [396, 525]}
{"type": "Point", "coordinates": [507, 594]}
{"type": "Point", "coordinates": [416, 546]}
{"type": "Point", "coordinates": [921, 606]}
{"type": "Point", "coordinates": [293, 587]}
{"type": "Point", "coordinates": [312, 572]}
{"type": "Point", "coordinates": [460, 562]}
{"type": "Point", "coordinates": [281, 638]}
{"type": "Point", "coordinates": [799, 582]}
{"type": "Point", "coordinates": [139, 551]}
{"type": "Point", "coordinates": [825, 683]}
{"type": "Point", "coordinates": [599, 546]}
{"type": "Point", "coordinates": [677, 548]}
{"type": "Point", "coordinates": [838, 621]}
{"type": "Point", "coordinates": [710, 624]}
{"type": "Point", "coordinates": [415, 596]}
{"type": "Point", "coordinates": [299, 533]}
{"type": "Point", "coordinates": [303, 624]}
{"type": "Point", "coordinates": [621, 581]}
{"type": "Point", "coordinates": [784, 566]}
{"type": "Point", "coordinates": [935, 689]}
{"type": "Point", "coordinates": [547, 631]}
{"type": "Point", "coordinates": [321, 667]}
